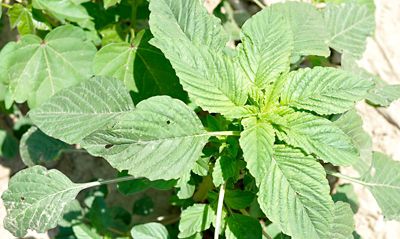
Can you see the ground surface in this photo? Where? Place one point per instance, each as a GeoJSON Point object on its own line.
{"type": "Point", "coordinates": [382, 57]}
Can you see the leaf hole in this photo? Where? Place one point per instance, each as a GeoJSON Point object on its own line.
{"type": "Point", "coordinates": [107, 146]}
{"type": "Point", "coordinates": [22, 198]}
{"type": "Point", "coordinates": [168, 122]}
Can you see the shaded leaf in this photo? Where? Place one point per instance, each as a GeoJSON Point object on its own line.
{"type": "Point", "coordinates": [238, 199]}
{"type": "Point", "coordinates": [243, 227]}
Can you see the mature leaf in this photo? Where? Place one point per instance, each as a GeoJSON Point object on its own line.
{"type": "Point", "coordinates": [349, 25]}
{"type": "Point", "coordinates": [225, 168]}
{"type": "Point", "coordinates": [202, 166]}
{"type": "Point", "coordinates": [8, 144]}
{"type": "Point", "coordinates": [352, 125]}
{"type": "Point", "coordinates": [319, 136]}
{"type": "Point", "coordinates": [384, 95]}
{"type": "Point", "coordinates": [82, 231]}
{"type": "Point", "coordinates": [142, 184]}
{"type": "Point", "coordinates": [5, 56]}
{"type": "Point", "coordinates": [21, 18]}
{"type": "Point", "coordinates": [192, 40]}
{"type": "Point", "coordinates": [342, 226]}
{"type": "Point", "coordinates": [257, 141]}
{"type": "Point", "coordinates": [345, 193]}
{"type": "Point", "coordinates": [78, 111]}
{"type": "Point", "coordinates": [110, 3]}
{"type": "Point", "coordinates": [196, 218]}
{"type": "Point", "coordinates": [36, 198]}
{"type": "Point", "coordinates": [186, 190]}
{"type": "Point", "coordinates": [295, 194]}
{"type": "Point", "coordinates": [384, 183]}
{"type": "Point", "coordinates": [150, 230]}
{"type": "Point", "coordinates": [161, 132]}
{"type": "Point", "coordinates": [70, 10]}
{"type": "Point", "coordinates": [36, 147]}
{"type": "Point", "coordinates": [266, 47]}
{"type": "Point", "coordinates": [307, 25]}
{"type": "Point", "coordinates": [237, 199]}
{"type": "Point", "coordinates": [243, 227]}
{"type": "Point", "coordinates": [40, 68]}
{"type": "Point", "coordinates": [324, 90]}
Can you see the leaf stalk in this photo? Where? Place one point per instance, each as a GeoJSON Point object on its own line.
{"type": "Point", "coordinates": [258, 3]}
{"type": "Point", "coordinates": [219, 211]}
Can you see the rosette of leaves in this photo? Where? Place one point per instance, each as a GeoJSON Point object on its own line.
{"type": "Point", "coordinates": [285, 113]}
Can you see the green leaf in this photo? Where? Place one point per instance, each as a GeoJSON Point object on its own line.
{"type": "Point", "coordinates": [225, 168]}
{"type": "Point", "coordinates": [202, 166]}
{"type": "Point", "coordinates": [319, 136]}
{"type": "Point", "coordinates": [110, 3]}
{"type": "Point", "coordinates": [238, 199]}
{"type": "Point", "coordinates": [266, 47]}
{"type": "Point", "coordinates": [5, 56]}
{"type": "Point", "coordinates": [243, 227]}
{"type": "Point", "coordinates": [142, 184]}
{"type": "Point", "coordinates": [352, 125]}
{"type": "Point", "coordinates": [21, 18]}
{"type": "Point", "coordinates": [186, 190]}
{"type": "Point", "coordinates": [161, 132]}
{"type": "Point", "coordinates": [36, 147]}
{"type": "Point", "coordinates": [35, 199]}
{"type": "Point", "coordinates": [62, 59]}
{"type": "Point", "coordinates": [8, 145]}
{"type": "Point", "coordinates": [307, 25]}
{"type": "Point", "coordinates": [193, 40]}
{"type": "Point", "coordinates": [295, 194]}
{"type": "Point", "coordinates": [342, 226]}
{"type": "Point", "coordinates": [384, 183]}
{"type": "Point", "coordinates": [196, 218]}
{"type": "Point", "coordinates": [78, 111]}
{"type": "Point", "coordinates": [324, 90]}
{"type": "Point", "coordinates": [349, 25]}
{"type": "Point", "coordinates": [150, 230]}
{"type": "Point", "coordinates": [70, 10]}
{"type": "Point", "coordinates": [384, 95]}
{"type": "Point", "coordinates": [82, 231]}
{"type": "Point", "coordinates": [345, 193]}
{"type": "Point", "coordinates": [256, 142]}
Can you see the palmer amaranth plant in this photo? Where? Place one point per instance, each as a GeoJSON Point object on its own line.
{"type": "Point", "coordinates": [243, 135]}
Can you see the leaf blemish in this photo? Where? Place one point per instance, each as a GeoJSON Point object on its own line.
{"type": "Point", "coordinates": [107, 146]}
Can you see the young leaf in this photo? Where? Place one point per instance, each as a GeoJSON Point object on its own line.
{"type": "Point", "coordinates": [342, 226]}
{"type": "Point", "coordinates": [40, 68]}
{"type": "Point", "coordinates": [384, 183]}
{"type": "Point", "coordinates": [295, 194]}
{"type": "Point", "coordinates": [150, 230]}
{"type": "Point", "coordinates": [36, 147]}
{"type": "Point", "coordinates": [266, 47]}
{"type": "Point", "coordinates": [192, 40]}
{"type": "Point", "coordinates": [243, 227]}
{"type": "Point", "coordinates": [36, 198]}
{"type": "Point", "coordinates": [161, 132]}
{"type": "Point", "coordinates": [349, 25]}
{"type": "Point", "coordinates": [324, 90]}
{"type": "Point", "coordinates": [307, 25]}
{"type": "Point", "coordinates": [196, 218]}
{"type": "Point", "coordinates": [257, 141]}
{"type": "Point", "coordinates": [318, 136]}
{"type": "Point", "coordinates": [21, 18]}
{"type": "Point", "coordinates": [78, 111]}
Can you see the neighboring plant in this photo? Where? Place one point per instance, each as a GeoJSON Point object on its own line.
{"type": "Point", "coordinates": [247, 138]}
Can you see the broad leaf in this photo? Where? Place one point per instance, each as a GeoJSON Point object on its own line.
{"type": "Point", "coordinates": [319, 136]}
{"type": "Point", "coordinates": [196, 218]}
{"type": "Point", "coordinates": [256, 142]}
{"type": "Point", "coordinates": [349, 25]}
{"type": "Point", "coordinates": [384, 95]}
{"type": "Point", "coordinates": [36, 147]}
{"type": "Point", "coordinates": [40, 68]}
{"type": "Point", "coordinates": [35, 199]}
{"type": "Point", "coordinates": [352, 125]}
{"type": "Point", "coordinates": [295, 194]}
{"type": "Point", "coordinates": [324, 90]}
{"type": "Point", "coordinates": [161, 132]}
{"type": "Point", "coordinates": [5, 56]}
{"type": "Point", "coordinates": [266, 47]}
{"type": "Point", "coordinates": [150, 230]}
{"type": "Point", "coordinates": [238, 199]}
{"type": "Point", "coordinates": [21, 18]}
{"type": "Point", "coordinates": [384, 183]}
{"type": "Point", "coordinates": [193, 41]}
{"type": "Point", "coordinates": [342, 226]}
{"type": "Point", "coordinates": [82, 231]}
{"type": "Point", "coordinates": [307, 26]}
{"type": "Point", "coordinates": [76, 112]}
{"type": "Point", "coordinates": [243, 227]}
{"type": "Point", "coordinates": [8, 145]}
{"type": "Point", "coordinates": [186, 190]}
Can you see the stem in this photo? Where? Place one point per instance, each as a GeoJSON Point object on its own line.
{"type": "Point", "coordinates": [224, 133]}
{"type": "Point", "coordinates": [109, 181]}
{"type": "Point", "coordinates": [258, 3]}
{"type": "Point", "coordinates": [354, 180]}
{"type": "Point", "coordinates": [219, 211]}
{"type": "Point", "coordinates": [6, 5]}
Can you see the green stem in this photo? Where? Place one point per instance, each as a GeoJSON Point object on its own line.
{"type": "Point", "coordinates": [6, 5]}
{"type": "Point", "coordinates": [224, 133]}
{"type": "Point", "coordinates": [109, 181]}
{"type": "Point", "coordinates": [351, 179]}
{"type": "Point", "coordinates": [262, 6]}
{"type": "Point", "coordinates": [219, 211]}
